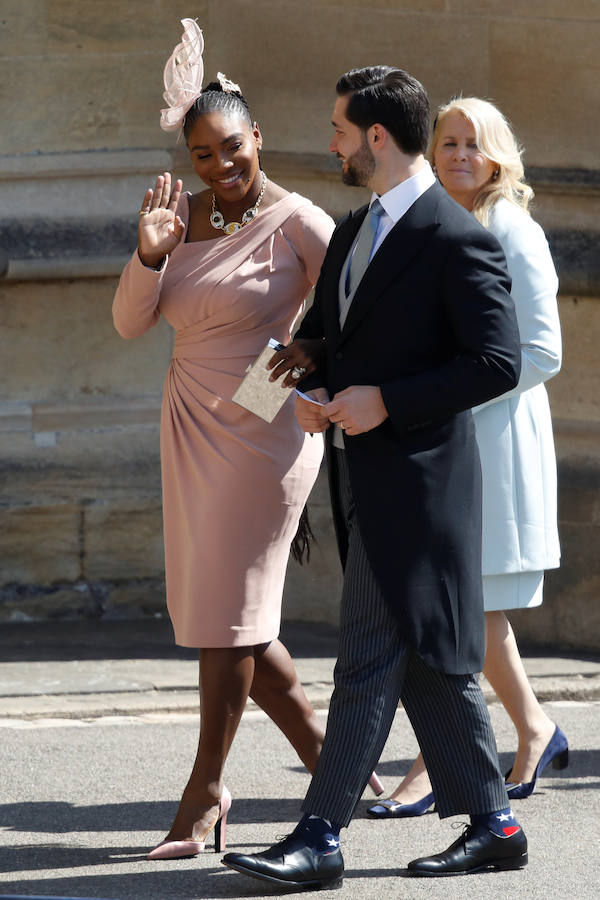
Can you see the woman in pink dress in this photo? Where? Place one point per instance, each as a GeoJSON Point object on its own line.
{"type": "Point", "coordinates": [229, 268]}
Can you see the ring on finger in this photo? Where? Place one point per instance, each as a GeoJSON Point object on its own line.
{"type": "Point", "coordinates": [143, 212]}
{"type": "Point", "coordinates": [342, 425]}
{"type": "Point", "coordinates": [298, 371]}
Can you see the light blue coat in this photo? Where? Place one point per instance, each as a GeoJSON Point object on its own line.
{"type": "Point", "coordinates": [514, 431]}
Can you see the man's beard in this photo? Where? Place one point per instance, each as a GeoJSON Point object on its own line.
{"type": "Point", "coordinates": [359, 167]}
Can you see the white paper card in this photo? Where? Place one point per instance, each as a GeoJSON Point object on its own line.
{"type": "Point", "coordinates": [310, 399]}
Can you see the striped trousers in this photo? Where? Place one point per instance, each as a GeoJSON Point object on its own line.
{"type": "Point", "coordinates": [375, 669]}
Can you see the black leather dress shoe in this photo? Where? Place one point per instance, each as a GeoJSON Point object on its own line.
{"type": "Point", "coordinates": [477, 849]}
{"type": "Point", "coordinates": [291, 864]}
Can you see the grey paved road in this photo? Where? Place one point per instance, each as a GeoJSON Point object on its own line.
{"type": "Point", "coordinates": [81, 801]}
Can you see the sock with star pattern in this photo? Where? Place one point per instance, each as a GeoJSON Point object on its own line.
{"type": "Point", "coordinates": [502, 822]}
{"type": "Point", "coordinates": [320, 834]}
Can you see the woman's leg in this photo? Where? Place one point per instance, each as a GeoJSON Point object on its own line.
{"type": "Point", "coordinates": [415, 784]}
{"type": "Point", "coordinates": [225, 679]}
{"type": "Point", "coordinates": [504, 670]}
{"type": "Point", "coordinates": [277, 690]}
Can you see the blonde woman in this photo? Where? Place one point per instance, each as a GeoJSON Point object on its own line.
{"type": "Point", "coordinates": [478, 161]}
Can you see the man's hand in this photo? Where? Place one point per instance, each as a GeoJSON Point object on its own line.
{"type": "Point", "coordinates": [358, 408]}
{"type": "Point", "coordinates": [310, 415]}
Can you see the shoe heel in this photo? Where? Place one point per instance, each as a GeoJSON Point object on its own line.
{"type": "Point", "coordinates": [330, 885]}
{"type": "Point", "coordinates": [221, 834]}
{"type": "Point", "coordinates": [375, 784]}
{"type": "Point", "coordinates": [562, 760]}
{"type": "Point", "coordinates": [513, 862]}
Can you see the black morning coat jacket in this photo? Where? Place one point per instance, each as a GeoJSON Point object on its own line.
{"type": "Point", "coordinates": [433, 325]}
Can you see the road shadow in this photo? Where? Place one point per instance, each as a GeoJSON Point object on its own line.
{"type": "Point", "coordinates": [52, 817]}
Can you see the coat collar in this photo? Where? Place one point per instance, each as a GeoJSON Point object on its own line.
{"type": "Point", "coordinates": [404, 241]}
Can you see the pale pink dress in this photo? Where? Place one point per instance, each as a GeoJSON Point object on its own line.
{"type": "Point", "coordinates": [233, 485]}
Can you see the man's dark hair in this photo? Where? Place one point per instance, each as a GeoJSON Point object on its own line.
{"type": "Point", "coordinates": [214, 99]}
{"type": "Point", "coordinates": [391, 97]}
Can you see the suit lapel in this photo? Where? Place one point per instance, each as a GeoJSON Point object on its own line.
{"type": "Point", "coordinates": [405, 240]}
{"type": "Point", "coordinates": [336, 256]}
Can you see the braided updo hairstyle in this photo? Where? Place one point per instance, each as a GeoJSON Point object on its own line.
{"type": "Point", "coordinates": [214, 99]}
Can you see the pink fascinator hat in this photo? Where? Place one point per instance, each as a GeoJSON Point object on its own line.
{"type": "Point", "coordinates": [183, 76]}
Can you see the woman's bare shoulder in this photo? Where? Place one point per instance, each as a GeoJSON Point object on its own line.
{"type": "Point", "coordinates": [274, 193]}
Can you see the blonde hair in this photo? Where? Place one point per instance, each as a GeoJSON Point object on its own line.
{"type": "Point", "coordinates": [496, 140]}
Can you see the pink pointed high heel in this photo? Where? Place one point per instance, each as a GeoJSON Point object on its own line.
{"type": "Point", "coordinates": [179, 849]}
{"type": "Point", "coordinates": [375, 784]}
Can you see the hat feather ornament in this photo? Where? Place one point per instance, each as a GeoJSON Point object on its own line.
{"type": "Point", "coordinates": [183, 76]}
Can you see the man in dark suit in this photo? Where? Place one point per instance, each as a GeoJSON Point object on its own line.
{"type": "Point", "coordinates": [412, 325]}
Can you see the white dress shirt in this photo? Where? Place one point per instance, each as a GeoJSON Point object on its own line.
{"type": "Point", "coordinates": [397, 201]}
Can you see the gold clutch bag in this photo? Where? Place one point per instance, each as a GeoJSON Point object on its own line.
{"type": "Point", "coordinates": [256, 393]}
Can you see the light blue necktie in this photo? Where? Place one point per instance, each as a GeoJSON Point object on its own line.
{"type": "Point", "coordinates": [364, 245]}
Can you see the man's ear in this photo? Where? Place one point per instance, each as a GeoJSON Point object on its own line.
{"type": "Point", "coordinates": [377, 134]}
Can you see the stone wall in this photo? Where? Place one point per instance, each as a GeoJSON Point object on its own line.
{"type": "Point", "coordinates": [81, 88]}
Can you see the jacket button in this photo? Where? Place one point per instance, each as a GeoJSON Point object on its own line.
{"type": "Point", "coordinates": [339, 355]}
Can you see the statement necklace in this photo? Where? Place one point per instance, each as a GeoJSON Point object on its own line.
{"type": "Point", "coordinates": [217, 221]}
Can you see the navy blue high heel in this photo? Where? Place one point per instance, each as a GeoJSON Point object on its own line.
{"type": "Point", "coordinates": [556, 752]}
{"type": "Point", "coordinates": [391, 809]}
